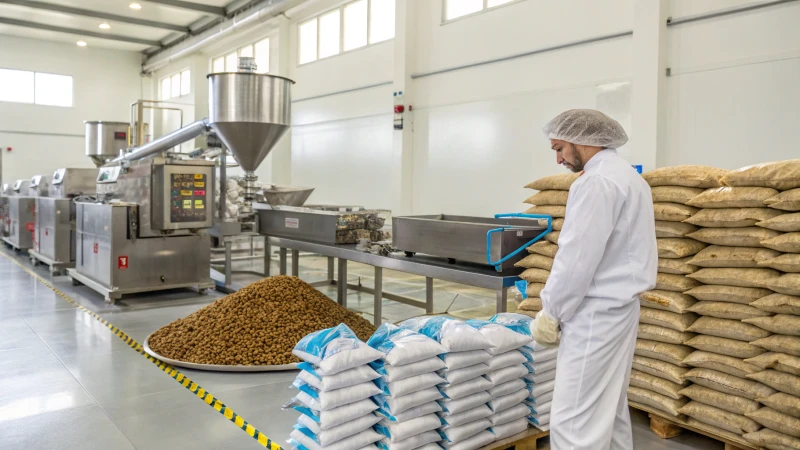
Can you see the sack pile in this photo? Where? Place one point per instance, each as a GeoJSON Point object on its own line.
{"type": "Point", "coordinates": [408, 382]}
{"type": "Point", "coordinates": [335, 386]}
{"type": "Point", "coordinates": [233, 197]}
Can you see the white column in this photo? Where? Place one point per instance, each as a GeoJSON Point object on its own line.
{"type": "Point", "coordinates": [282, 153]}
{"type": "Point", "coordinates": [403, 140]}
{"type": "Point", "coordinates": [648, 117]}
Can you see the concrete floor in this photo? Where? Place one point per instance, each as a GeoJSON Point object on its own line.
{"type": "Point", "coordinates": [67, 382]}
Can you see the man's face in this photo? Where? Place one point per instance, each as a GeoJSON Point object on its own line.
{"type": "Point", "coordinates": [567, 155]}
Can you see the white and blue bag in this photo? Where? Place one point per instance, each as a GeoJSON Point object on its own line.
{"type": "Point", "coordinates": [454, 335]}
{"type": "Point", "coordinates": [401, 346]}
{"type": "Point", "coordinates": [503, 338]}
{"type": "Point", "coordinates": [335, 350]}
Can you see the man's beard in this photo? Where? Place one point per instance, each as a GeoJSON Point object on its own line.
{"type": "Point", "coordinates": [575, 168]}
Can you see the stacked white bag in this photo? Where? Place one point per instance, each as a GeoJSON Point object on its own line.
{"type": "Point", "coordinates": [335, 386]}
{"type": "Point", "coordinates": [465, 411]}
{"type": "Point", "coordinates": [408, 383]}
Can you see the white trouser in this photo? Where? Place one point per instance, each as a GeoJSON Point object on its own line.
{"type": "Point", "coordinates": [590, 402]}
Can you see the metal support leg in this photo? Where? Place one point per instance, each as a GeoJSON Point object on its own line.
{"type": "Point", "coordinates": [341, 284]}
{"type": "Point", "coordinates": [252, 247]}
{"type": "Point", "coordinates": [228, 264]}
{"type": "Point", "coordinates": [267, 257]}
{"type": "Point", "coordinates": [502, 300]}
{"type": "Point", "coordinates": [282, 253]}
{"type": "Point", "coordinates": [378, 309]}
{"type": "Point", "coordinates": [295, 263]}
{"type": "Point", "coordinates": [330, 269]}
{"type": "Point", "coordinates": [428, 295]}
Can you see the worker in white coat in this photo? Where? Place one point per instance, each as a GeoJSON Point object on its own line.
{"type": "Point", "coordinates": [607, 256]}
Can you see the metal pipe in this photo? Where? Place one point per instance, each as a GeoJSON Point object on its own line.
{"type": "Point", "coordinates": [314, 97]}
{"type": "Point", "coordinates": [725, 12]}
{"type": "Point", "coordinates": [167, 141]}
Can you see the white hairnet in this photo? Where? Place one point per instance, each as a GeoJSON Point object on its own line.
{"type": "Point", "coordinates": [586, 127]}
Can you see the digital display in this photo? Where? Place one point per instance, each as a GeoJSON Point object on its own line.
{"type": "Point", "coordinates": [120, 135]}
{"type": "Point", "coordinates": [187, 203]}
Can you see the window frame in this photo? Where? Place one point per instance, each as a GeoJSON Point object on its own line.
{"type": "Point", "coordinates": [483, 10]}
{"type": "Point", "coordinates": [238, 51]}
{"type": "Point", "coordinates": [169, 77]}
{"type": "Point", "coordinates": [33, 74]}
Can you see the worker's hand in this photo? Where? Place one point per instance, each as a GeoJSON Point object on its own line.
{"type": "Point", "coordinates": [544, 330]}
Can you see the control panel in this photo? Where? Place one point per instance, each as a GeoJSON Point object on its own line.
{"type": "Point", "coordinates": [182, 196]}
{"type": "Point", "coordinates": [188, 198]}
{"type": "Point", "coordinates": [58, 176]}
{"type": "Point", "coordinates": [108, 174]}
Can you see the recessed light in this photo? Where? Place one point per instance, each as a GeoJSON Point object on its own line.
{"type": "Point", "coordinates": [134, 5]}
{"type": "Point", "coordinates": [81, 43]}
{"type": "Point", "coordinates": [105, 26]}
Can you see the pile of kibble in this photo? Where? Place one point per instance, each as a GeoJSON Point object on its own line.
{"type": "Point", "coordinates": [258, 325]}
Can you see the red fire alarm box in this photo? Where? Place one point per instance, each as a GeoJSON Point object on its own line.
{"type": "Point", "coordinates": [122, 262]}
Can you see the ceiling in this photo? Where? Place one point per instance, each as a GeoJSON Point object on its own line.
{"type": "Point", "coordinates": [155, 25]}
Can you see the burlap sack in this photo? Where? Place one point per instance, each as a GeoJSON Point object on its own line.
{"type": "Point", "coordinates": [789, 262]}
{"type": "Point", "coordinates": [772, 440]}
{"type": "Point", "coordinates": [660, 369]}
{"type": "Point", "coordinates": [784, 382]}
{"type": "Point", "coordinates": [666, 319]}
{"type": "Point", "coordinates": [779, 304]}
{"type": "Point", "coordinates": [671, 353]}
{"type": "Point", "coordinates": [676, 266]}
{"type": "Point", "coordinates": [785, 403]}
{"type": "Point", "coordinates": [786, 223]}
{"type": "Point", "coordinates": [729, 384]}
{"type": "Point", "coordinates": [552, 237]}
{"type": "Point", "coordinates": [558, 224]}
{"type": "Point", "coordinates": [678, 248]}
{"type": "Point", "coordinates": [734, 237]}
{"type": "Point", "coordinates": [788, 284]}
{"type": "Point", "coordinates": [530, 304]}
{"type": "Point", "coordinates": [715, 431]}
{"type": "Point", "coordinates": [780, 343]}
{"type": "Point", "coordinates": [741, 277]}
{"type": "Point", "coordinates": [733, 294]}
{"type": "Point", "coordinates": [528, 313]}
{"type": "Point", "coordinates": [780, 175]}
{"type": "Point", "coordinates": [534, 289]}
{"type": "Point", "coordinates": [550, 210]}
{"type": "Point", "coordinates": [544, 248]}
{"type": "Point", "coordinates": [735, 423]}
{"type": "Point", "coordinates": [666, 229]}
{"type": "Point", "coordinates": [785, 324]}
{"type": "Point", "coordinates": [655, 384]}
{"type": "Point", "coordinates": [727, 328]}
{"type": "Point", "coordinates": [721, 363]}
{"type": "Point", "coordinates": [535, 262]}
{"type": "Point", "coordinates": [662, 334]}
{"type": "Point", "coordinates": [689, 176]}
{"type": "Point", "coordinates": [675, 283]}
{"type": "Point", "coordinates": [656, 400]}
{"type": "Point", "coordinates": [545, 198]}
{"type": "Point", "coordinates": [535, 275]}
{"type": "Point", "coordinates": [724, 346]}
{"type": "Point", "coordinates": [730, 403]}
{"type": "Point", "coordinates": [666, 300]}
{"type": "Point", "coordinates": [786, 200]}
{"type": "Point", "coordinates": [673, 212]}
{"type": "Point", "coordinates": [560, 182]}
{"type": "Point", "coordinates": [777, 421]}
{"type": "Point", "coordinates": [779, 361]}
{"type": "Point", "coordinates": [732, 217]}
{"type": "Point", "coordinates": [674, 194]}
{"type": "Point", "coordinates": [727, 310]}
{"type": "Point", "coordinates": [788, 242]}
{"type": "Point", "coordinates": [733, 197]}
{"type": "Point", "coordinates": [719, 256]}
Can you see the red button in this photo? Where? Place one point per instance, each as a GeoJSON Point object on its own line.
{"type": "Point", "coordinates": [198, 193]}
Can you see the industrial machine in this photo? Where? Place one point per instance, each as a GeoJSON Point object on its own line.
{"type": "Point", "coordinates": [39, 186]}
{"type": "Point", "coordinates": [5, 192]}
{"type": "Point", "coordinates": [54, 235]}
{"type": "Point", "coordinates": [152, 234]}
{"type": "Point", "coordinates": [21, 210]}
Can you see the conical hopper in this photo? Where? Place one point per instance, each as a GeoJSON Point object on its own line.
{"type": "Point", "coordinates": [249, 112]}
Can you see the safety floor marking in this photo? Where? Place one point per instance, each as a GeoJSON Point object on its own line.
{"type": "Point", "coordinates": [201, 393]}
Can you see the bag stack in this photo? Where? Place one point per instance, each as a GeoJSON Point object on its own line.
{"type": "Point", "coordinates": [464, 416]}
{"type": "Point", "coordinates": [409, 388]}
{"type": "Point", "coordinates": [507, 371]}
{"type": "Point", "coordinates": [335, 384]}
{"type": "Point", "coordinates": [551, 200]}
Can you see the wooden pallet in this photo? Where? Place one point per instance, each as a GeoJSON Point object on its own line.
{"type": "Point", "coordinates": [667, 427]}
{"type": "Point", "coordinates": [522, 441]}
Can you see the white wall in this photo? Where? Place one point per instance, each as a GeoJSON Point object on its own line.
{"type": "Point", "coordinates": [45, 138]}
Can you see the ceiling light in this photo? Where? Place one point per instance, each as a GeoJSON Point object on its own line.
{"type": "Point", "coordinates": [134, 5]}
{"type": "Point", "coordinates": [81, 43]}
{"type": "Point", "coordinates": [105, 26]}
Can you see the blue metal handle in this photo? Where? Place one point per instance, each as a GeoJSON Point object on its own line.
{"type": "Point", "coordinates": [489, 234]}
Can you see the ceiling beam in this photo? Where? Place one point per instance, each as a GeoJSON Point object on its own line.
{"type": "Point", "coordinates": [97, 14]}
{"type": "Point", "coordinates": [111, 37]}
{"type": "Point", "coordinates": [198, 7]}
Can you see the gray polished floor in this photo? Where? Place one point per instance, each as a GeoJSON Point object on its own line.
{"type": "Point", "coordinates": [67, 382]}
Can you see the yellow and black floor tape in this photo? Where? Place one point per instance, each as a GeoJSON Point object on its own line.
{"type": "Point", "coordinates": [176, 375]}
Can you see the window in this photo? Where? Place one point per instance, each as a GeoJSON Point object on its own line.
{"type": "Point", "coordinates": [352, 26]}
{"type": "Point", "coordinates": [22, 86]}
{"type": "Point", "coordinates": [230, 62]}
{"type": "Point", "coordinates": [218, 65]}
{"type": "Point", "coordinates": [454, 9]}
{"type": "Point", "coordinates": [176, 85]}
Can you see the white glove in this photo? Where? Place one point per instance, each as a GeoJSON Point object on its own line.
{"type": "Point", "coordinates": [544, 330]}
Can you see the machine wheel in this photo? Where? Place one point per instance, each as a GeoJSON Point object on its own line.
{"type": "Point", "coordinates": [34, 261]}
{"type": "Point", "coordinates": [75, 282]}
{"type": "Point", "coordinates": [410, 254]}
{"type": "Point", "coordinates": [203, 291]}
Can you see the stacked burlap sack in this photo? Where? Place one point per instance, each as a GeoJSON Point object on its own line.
{"type": "Point", "coordinates": [408, 382]}
{"type": "Point", "coordinates": [551, 200]}
{"type": "Point", "coordinates": [335, 386]}
{"type": "Point", "coordinates": [464, 399]}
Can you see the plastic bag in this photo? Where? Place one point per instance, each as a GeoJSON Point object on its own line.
{"type": "Point", "coordinates": [541, 388]}
{"type": "Point", "coordinates": [540, 408]}
{"type": "Point", "coordinates": [334, 417]}
{"type": "Point", "coordinates": [398, 431]}
{"type": "Point", "coordinates": [501, 376]}
{"type": "Point", "coordinates": [539, 355]}
{"type": "Point", "coordinates": [500, 404]}
{"type": "Point", "coordinates": [509, 387]}
{"type": "Point", "coordinates": [416, 442]}
{"type": "Point", "coordinates": [454, 335]}
{"type": "Point", "coordinates": [410, 385]}
{"type": "Point", "coordinates": [503, 339]}
{"type": "Point", "coordinates": [544, 366]}
{"type": "Point", "coordinates": [335, 350]}
{"type": "Point", "coordinates": [417, 411]}
{"type": "Point", "coordinates": [508, 429]}
{"type": "Point", "coordinates": [466, 431]}
{"type": "Point", "coordinates": [392, 406]}
{"type": "Point", "coordinates": [481, 411]}
{"type": "Point", "coordinates": [335, 434]}
{"type": "Point", "coordinates": [507, 359]}
{"type": "Point", "coordinates": [456, 391]}
{"type": "Point", "coordinates": [518, 411]}
{"type": "Point", "coordinates": [396, 373]}
{"type": "Point", "coordinates": [324, 401]}
{"type": "Point", "coordinates": [547, 397]}
{"type": "Point", "coordinates": [475, 442]}
{"type": "Point", "coordinates": [539, 420]}
{"type": "Point", "coordinates": [459, 360]}
{"type": "Point", "coordinates": [403, 346]}
{"type": "Point", "coordinates": [465, 403]}
{"type": "Point", "coordinates": [362, 439]}
{"type": "Point", "coordinates": [538, 378]}
{"type": "Point", "coordinates": [340, 380]}
{"type": "Point", "coordinates": [467, 373]}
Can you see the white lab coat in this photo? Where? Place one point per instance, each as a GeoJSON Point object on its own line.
{"type": "Point", "coordinates": [607, 256]}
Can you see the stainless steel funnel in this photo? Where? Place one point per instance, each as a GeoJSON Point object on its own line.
{"type": "Point", "coordinates": [105, 140]}
{"type": "Point", "coordinates": [249, 112]}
